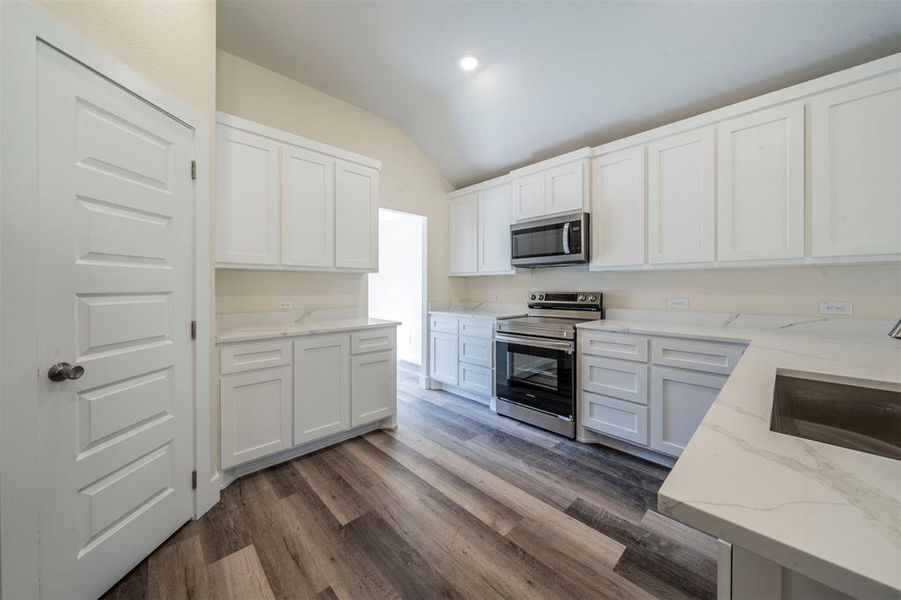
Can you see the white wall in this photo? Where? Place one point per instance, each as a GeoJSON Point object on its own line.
{"type": "Point", "coordinates": [395, 292]}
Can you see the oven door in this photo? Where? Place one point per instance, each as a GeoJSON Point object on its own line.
{"type": "Point", "coordinates": [557, 240]}
{"type": "Point", "coordinates": [536, 373]}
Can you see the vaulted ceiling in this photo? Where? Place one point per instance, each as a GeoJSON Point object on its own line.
{"type": "Point", "coordinates": [554, 76]}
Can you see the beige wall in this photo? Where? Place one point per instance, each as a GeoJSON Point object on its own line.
{"type": "Point", "coordinates": [874, 290]}
{"type": "Point", "coordinates": [409, 182]}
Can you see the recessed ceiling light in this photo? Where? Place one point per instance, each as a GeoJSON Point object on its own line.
{"type": "Point", "coordinates": [469, 62]}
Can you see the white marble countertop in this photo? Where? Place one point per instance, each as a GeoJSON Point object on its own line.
{"type": "Point", "coordinates": [484, 310]}
{"type": "Point", "coordinates": [831, 513]}
{"type": "Point", "coordinates": [276, 330]}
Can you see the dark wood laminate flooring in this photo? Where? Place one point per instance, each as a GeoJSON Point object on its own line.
{"type": "Point", "coordinates": [455, 503]}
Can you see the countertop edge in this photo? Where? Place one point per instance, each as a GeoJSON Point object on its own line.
{"type": "Point", "coordinates": [325, 328]}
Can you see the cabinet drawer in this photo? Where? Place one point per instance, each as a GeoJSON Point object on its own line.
{"type": "Point", "coordinates": [443, 324]}
{"type": "Point", "coordinates": [615, 345]}
{"type": "Point", "coordinates": [476, 351]}
{"type": "Point", "coordinates": [617, 418]}
{"type": "Point", "coordinates": [475, 379]}
{"type": "Point", "coordinates": [258, 355]}
{"type": "Point", "coordinates": [372, 340]}
{"type": "Point", "coordinates": [617, 378]}
{"type": "Point", "coordinates": [713, 357]}
{"type": "Point", "coordinates": [477, 327]}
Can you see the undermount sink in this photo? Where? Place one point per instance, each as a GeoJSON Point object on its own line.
{"type": "Point", "coordinates": [857, 414]}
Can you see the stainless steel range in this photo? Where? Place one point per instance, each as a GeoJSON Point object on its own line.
{"type": "Point", "coordinates": [536, 365]}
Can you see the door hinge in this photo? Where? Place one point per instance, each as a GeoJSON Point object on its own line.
{"type": "Point", "coordinates": [193, 480]}
{"type": "Point", "coordinates": [193, 169]}
{"type": "Point", "coordinates": [193, 330]}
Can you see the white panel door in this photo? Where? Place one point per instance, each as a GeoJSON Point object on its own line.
{"type": "Point", "coordinates": [247, 198]}
{"type": "Point", "coordinates": [356, 216]}
{"type": "Point", "coordinates": [373, 386]}
{"type": "Point", "coordinates": [463, 235]}
{"type": "Point", "coordinates": [255, 411]}
{"type": "Point", "coordinates": [443, 357]}
{"type": "Point", "coordinates": [308, 208]}
{"type": "Point", "coordinates": [321, 387]}
{"type": "Point", "coordinates": [618, 208]}
{"type": "Point", "coordinates": [681, 198]}
{"type": "Point", "coordinates": [612, 416]}
{"type": "Point", "coordinates": [115, 289]}
{"type": "Point", "coordinates": [529, 199]}
{"type": "Point", "coordinates": [494, 230]}
{"type": "Point", "coordinates": [565, 188]}
{"type": "Point", "coordinates": [760, 178]}
{"type": "Point", "coordinates": [855, 145]}
{"type": "Point", "coordinates": [679, 401]}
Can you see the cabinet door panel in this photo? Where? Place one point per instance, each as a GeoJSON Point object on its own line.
{"type": "Point", "coordinates": [614, 345]}
{"type": "Point", "coordinates": [476, 379]}
{"type": "Point", "coordinates": [356, 216]}
{"type": "Point", "coordinates": [855, 157]}
{"type": "Point", "coordinates": [308, 208]}
{"type": "Point", "coordinates": [681, 198]}
{"type": "Point", "coordinates": [373, 387]}
{"type": "Point", "coordinates": [714, 357]}
{"type": "Point", "coordinates": [618, 208]}
{"type": "Point", "coordinates": [529, 198]}
{"type": "Point", "coordinates": [255, 415]}
{"type": "Point", "coordinates": [760, 199]}
{"type": "Point", "coordinates": [463, 235]}
{"type": "Point", "coordinates": [247, 198]}
{"type": "Point", "coordinates": [322, 387]}
{"type": "Point", "coordinates": [443, 357]}
{"type": "Point", "coordinates": [565, 192]}
{"type": "Point", "coordinates": [615, 417]}
{"type": "Point", "coordinates": [679, 401]}
{"type": "Point", "coordinates": [476, 350]}
{"type": "Point", "coordinates": [616, 378]}
{"type": "Point", "coordinates": [494, 230]}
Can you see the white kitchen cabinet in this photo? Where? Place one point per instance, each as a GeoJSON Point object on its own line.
{"type": "Point", "coordinates": [760, 177]}
{"type": "Point", "coordinates": [247, 207]}
{"type": "Point", "coordinates": [356, 216]}
{"type": "Point", "coordinates": [322, 394]}
{"type": "Point", "coordinates": [681, 172]}
{"type": "Point", "coordinates": [476, 350]}
{"type": "Point", "coordinates": [373, 386]}
{"type": "Point", "coordinates": [308, 208]}
{"type": "Point", "coordinates": [475, 378]}
{"type": "Point", "coordinates": [463, 233]}
{"type": "Point", "coordinates": [443, 357]}
{"type": "Point", "coordinates": [255, 414]}
{"type": "Point", "coordinates": [618, 208]}
{"type": "Point", "coordinates": [529, 197]}
{"type": "Point", "coordinates": [565, 188]}
{"type": "Point", "coordinates": [615, 417]}
{"type": "Point", "coordinates": [626, 380]}
{"type": "Point", "coordinates": [697, 355]}
{"type": "Point", "coordinates": [679, 401]}
{"type": "Point", "coordinates": [494, 230]}
{"type": "Point", "coordinates": [855, 158]}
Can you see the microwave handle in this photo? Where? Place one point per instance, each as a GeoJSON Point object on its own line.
{"type": "Point", "coordinates": [566, 238]}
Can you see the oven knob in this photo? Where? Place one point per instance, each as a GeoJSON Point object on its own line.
{"type": "Point", "coordinates": [532, 297]}
{"type": "Point", "coordinates": [581, 297]}
{"type": "Point", "coordinates": [591, 298]}
{"type": "Point", "coordinates": [541, 296]}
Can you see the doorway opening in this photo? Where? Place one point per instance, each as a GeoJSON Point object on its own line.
{"type": "Point", "coordinates": [398, 291]}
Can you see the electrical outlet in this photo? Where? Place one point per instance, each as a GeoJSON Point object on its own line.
{"type": "Point", "coordinates": [681, 303]}
{"type": "Point", "coordinates": [286, 304]}
{"type": "Point", "coordinates": [492, 298]}
{"type": "Point", "coordinates": [831, 307]}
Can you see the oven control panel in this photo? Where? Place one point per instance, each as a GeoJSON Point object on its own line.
{"type": "Point", "coordinates": [567, 300]}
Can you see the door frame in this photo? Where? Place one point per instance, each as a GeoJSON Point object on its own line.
{"type": "Point", "coordinates": [21, 27]}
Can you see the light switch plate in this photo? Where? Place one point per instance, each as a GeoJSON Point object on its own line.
{"type": "Point", "coordinates": [492, 298]}
{"type": "Point", "coordinates": [286, 305]}
{"type": "Point", "coordinates": [832, 307]}
{"type": "Point", "coordinates": [680, 303]}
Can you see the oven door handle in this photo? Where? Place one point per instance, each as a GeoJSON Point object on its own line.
{"type": "Point", "coordinates": [566, 238]}
{"type": "Point", "coordinates": [567, 347]}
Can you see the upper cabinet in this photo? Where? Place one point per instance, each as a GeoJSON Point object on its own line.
{"type": "Point", "coordinates": [681, 198]}
{"type": "Point", "coordinates": [479, 230]}
{"type": "Point", "coordinates": [855, 147]}
{"type": "Point", "coordinates": [286, 202]}
{"type": "Point", "coordinates": [247, 207]}
{"type": "Point", "coordinates": [760, 176]}
{"type": "Point", "coordinates": [558, 185]}
{"type": "Point", "coordinates": [618, 208]}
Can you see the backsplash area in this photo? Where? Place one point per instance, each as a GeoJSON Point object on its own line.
{"type": "Point", "coordinates": [873, 290]}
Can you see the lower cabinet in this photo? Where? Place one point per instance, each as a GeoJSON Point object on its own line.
{"type": "Point", "coordinates": [619, 418]}
{"type": "Point", "coordinates": [475, 378]}
{"type": "Point", "coordinates": [443, 357]}
{"type": "Point", "coordinates": [322, 395]}
{"type": "Point", "coordinates": [255, 414]}
{"type": "Point", "coordinates": [679, 401]}
{"type": "Point", "coordinates": [373, 386]}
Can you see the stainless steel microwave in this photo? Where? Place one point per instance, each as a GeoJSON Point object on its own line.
{"type": "Point", "coordinates": [560, 240]}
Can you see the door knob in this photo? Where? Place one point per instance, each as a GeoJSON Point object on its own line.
{"type": "Point", "coordinates": [63, 371]}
